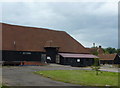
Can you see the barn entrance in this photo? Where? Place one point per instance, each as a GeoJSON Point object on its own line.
{"type": "Point", "coordinates": [51, 54]}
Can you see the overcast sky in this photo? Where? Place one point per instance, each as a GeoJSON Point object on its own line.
{"type": "Point", "coordinates": [87, 22]}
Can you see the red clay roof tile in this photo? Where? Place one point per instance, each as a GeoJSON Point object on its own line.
{"type": "Point", "coordinates": [107, 56]}
{"type": "Point", "coordinates": [35, 39]}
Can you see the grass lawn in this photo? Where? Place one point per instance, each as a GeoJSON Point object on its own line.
{"type": "Point", "coordinates": [82, 77]}
{"type": "Point", "coordinates": [3, 86]}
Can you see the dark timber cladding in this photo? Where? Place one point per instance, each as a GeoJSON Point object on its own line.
{"type": "Point", "coordinates": [109, 58]}
{"type": "Point", "coordinates": [20, 43]}
{"type": "Point", "coordinates": [78, 59]}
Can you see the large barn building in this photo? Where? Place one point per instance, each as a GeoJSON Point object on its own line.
{"type": "Point", "coordinates": [23, 45]}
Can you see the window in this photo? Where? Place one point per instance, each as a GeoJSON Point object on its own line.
{"type": "Point", "coordinates": [57, 59]}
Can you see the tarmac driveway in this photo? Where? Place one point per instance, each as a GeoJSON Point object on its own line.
{"type": "Point", "coordinates": [24, 76]}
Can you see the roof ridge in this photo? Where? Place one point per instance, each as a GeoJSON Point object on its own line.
{"type": "Point", "coordinates": [49, 29]}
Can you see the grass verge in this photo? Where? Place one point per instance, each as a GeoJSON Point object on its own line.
{"type": "Point", "coordinates": [82, 77]}
{"type": "Point", "coordinates": [3, 86]}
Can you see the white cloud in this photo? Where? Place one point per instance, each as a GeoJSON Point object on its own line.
{"type": "Point", "coordinates": [88, 22]}
{"type": "Point", "coordinates": [59, 0]}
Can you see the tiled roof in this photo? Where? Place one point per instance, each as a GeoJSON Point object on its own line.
{"type": "Point", "coordinates": [21, 38]}
{"type": "Point", "coordinates": [69, 55]}
{"type": "Point", "coordinates": [93, 50]}
{"type": "Point", "coordinates": [107, 56]}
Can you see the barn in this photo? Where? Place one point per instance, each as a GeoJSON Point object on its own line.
{"type": "Point", "coordinates": [22, 45]}
{"type": "Point", "coordinates": [109, 58]}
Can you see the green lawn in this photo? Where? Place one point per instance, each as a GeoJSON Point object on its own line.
{"type": "Point", "coordinates": [2, 86]}
{"type": "Point", "coordinates": [82, 77]}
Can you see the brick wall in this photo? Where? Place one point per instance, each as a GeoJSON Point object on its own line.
{"type": "Point", "coordinates": [32, 63]}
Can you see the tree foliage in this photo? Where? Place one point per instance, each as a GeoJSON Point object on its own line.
{"type": "Point", "coordinates": [111, 50]}
{"type": "Point", "coordinates": [96, 65]}
{"type": "Point", "coordinates": [95, 53]}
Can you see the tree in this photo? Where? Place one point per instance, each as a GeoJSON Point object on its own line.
{"type": "Point", "coordinates": [96, 65]}
{"type": "Point", "coordinates": [95, 53]}
{"type": "Point", "coordinates": [110, 50]}
{"type": "Point", "coordinates": [105, 51]}
{"type": "Point", "coordinates": [118, 50]}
